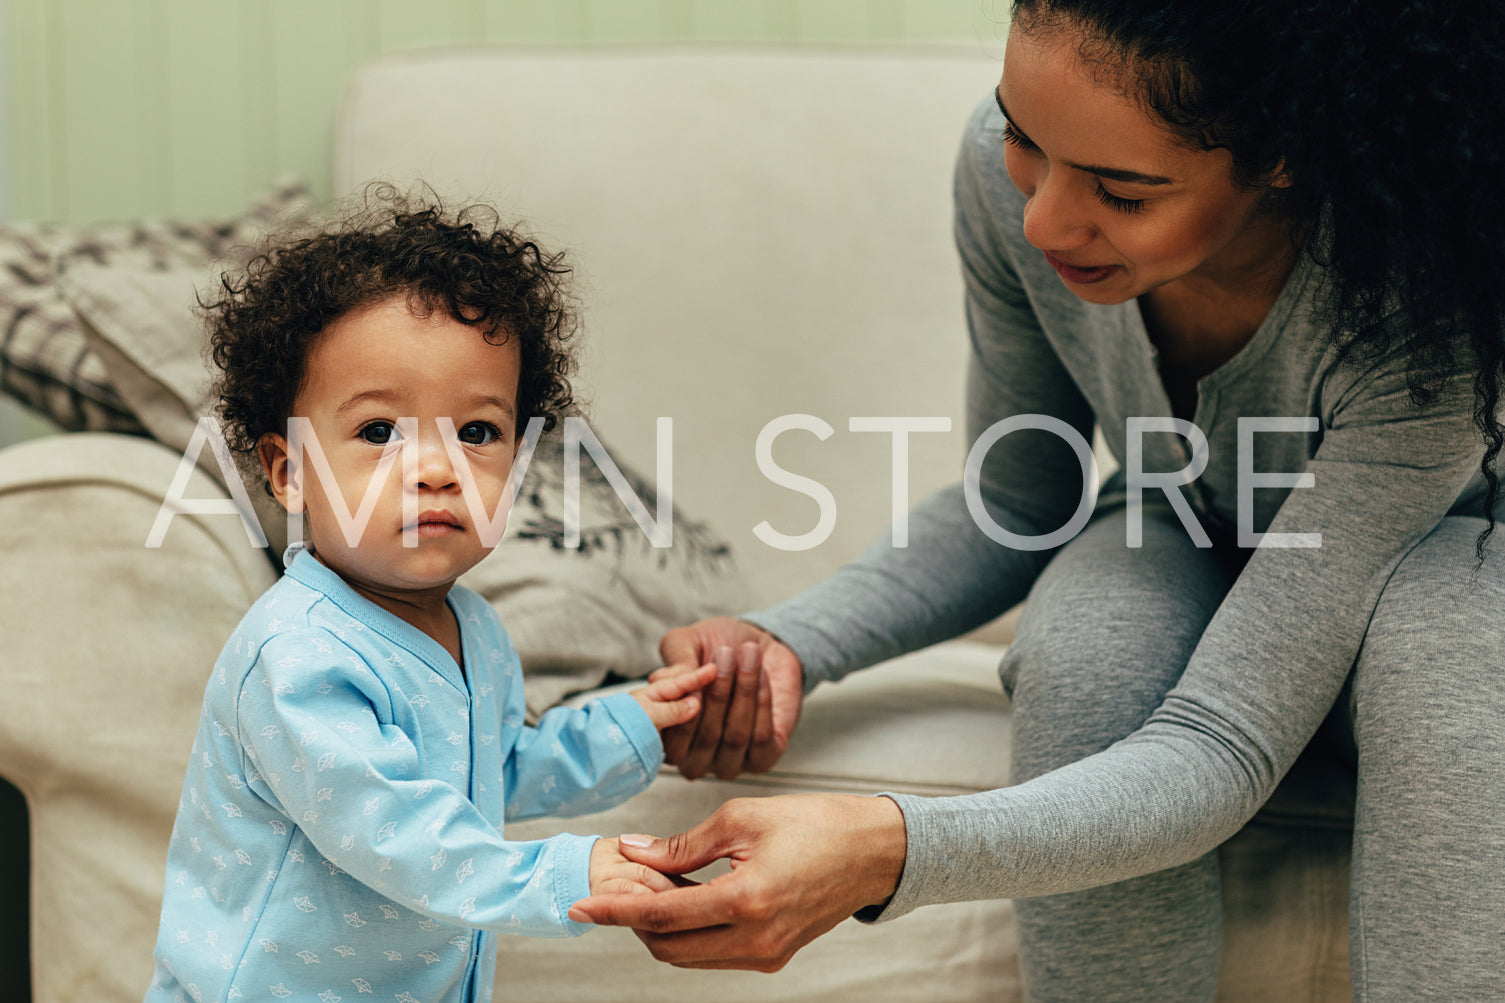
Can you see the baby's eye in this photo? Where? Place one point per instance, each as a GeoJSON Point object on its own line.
{"type": "Point", "coordinates": [378, 433]}
{"type": "Point", "coordinates": [479, 433]}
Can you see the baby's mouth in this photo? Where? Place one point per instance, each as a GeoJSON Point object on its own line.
{"type": "Point", "coordinates": [436, 522]}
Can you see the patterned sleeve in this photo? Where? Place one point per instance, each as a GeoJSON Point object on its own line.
{"type": "Point", "coordinates": [579, 761]}
{"type": "Point", "coordinates": [323, 735]}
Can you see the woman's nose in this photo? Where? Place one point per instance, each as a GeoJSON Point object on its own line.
{"type": "Point", "coordinates": [1054, 217]}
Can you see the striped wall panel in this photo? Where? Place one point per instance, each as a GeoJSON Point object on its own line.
{"type": "Point", "coordinates": [126, 108]}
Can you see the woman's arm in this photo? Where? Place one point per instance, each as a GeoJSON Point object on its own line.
{"type": "Point", "coordinates": [1265, 674]}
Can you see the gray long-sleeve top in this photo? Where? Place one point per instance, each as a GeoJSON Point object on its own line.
{"type": "Point", "coordinates": [1275, 655]}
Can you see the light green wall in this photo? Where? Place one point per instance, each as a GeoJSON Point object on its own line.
{"type": "Point", "coordinates": [127, 108]}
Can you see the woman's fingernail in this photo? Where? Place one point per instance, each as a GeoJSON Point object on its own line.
{"type": "Point", "coordinates": [636, 839]}
{"type": "Point", "coordinates": [578, 916]}
{"type": "Point", "coordinates": [726, 660]}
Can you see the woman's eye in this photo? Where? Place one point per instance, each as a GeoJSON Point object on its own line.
{"type": "Point", "coordinates": [378, 433]}
{"type": "Point", "coordinates": [1013, 137]}
{"type": "Point", "coordinates": [479, 433]}
{"type": "Point", "coordinates": [1127, 206]}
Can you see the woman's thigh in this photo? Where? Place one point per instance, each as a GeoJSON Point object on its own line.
{"type": "Point", "coordinates": [1427, 711]}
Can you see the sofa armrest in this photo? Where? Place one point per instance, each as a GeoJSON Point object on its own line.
{"type": "Point", "coordinates": [107, 648]}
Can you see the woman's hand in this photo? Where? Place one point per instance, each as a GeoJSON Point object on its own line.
{"type": "Point", "coordinates": [800, 865]}
{"type": "Point", "coordinates": [748, 713]}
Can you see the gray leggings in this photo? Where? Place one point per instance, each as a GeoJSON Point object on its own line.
{"type": "Point", "coordinates": [1416, 742]}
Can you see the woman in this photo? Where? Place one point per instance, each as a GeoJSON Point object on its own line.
{"type": "Point", "coordinates": [1275, 226]}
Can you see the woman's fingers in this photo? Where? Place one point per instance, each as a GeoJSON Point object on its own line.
{"type": "Point", "coordinates": [781, 694]}
{"type": "Point", "coordinates": [741, 715]}
{"type": "Point", "coordinates": [745, 720]}
{"type": "Point", "coordinates": [696, 761]}
{"type": "Point", "coordinates": [681, 646]}
{"type": "Point", "coordinates": [688, 908]}
{"type": "Point", "coordinates": [720, 835]}
{"type": "Point", "coordinates": [724, 834]}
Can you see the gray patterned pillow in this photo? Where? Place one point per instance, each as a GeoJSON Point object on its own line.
{"type": "Point", "coordinates": [45, 360]}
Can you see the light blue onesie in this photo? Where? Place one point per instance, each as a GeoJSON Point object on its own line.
{"type": "Point", "coordinates": [340, 831]}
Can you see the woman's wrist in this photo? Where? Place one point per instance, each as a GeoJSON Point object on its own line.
{"type": "Point", "coordinates": [878, 828]}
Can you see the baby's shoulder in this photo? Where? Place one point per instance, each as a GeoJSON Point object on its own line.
{"type": "Point", "coordinates": [292, 629]}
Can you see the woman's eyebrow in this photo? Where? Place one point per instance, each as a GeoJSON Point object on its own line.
{"type": "Point", "coordinates": [1005, 113]}
{"type": "Point", "coordinates": [1111, 173]}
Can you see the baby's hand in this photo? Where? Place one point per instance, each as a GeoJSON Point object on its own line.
{"type": "Point", "coordinates": [675, 700]}
{"type": "Point", "coordinates": [610, 872]}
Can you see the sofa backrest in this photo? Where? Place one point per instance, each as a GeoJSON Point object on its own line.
{"type": "Point", "coordinates": [758, 232]}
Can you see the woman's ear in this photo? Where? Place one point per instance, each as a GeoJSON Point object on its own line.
{"type": "Point", "coordinates": [283, 478]}
{"type": "Point", "coordinates": [1279, 177]}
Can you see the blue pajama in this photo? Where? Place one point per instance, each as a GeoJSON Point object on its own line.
{"type": "Point", "coordinates": [340, 831]}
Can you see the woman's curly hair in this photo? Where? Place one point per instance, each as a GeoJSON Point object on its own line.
{"type": "Point", "coordinates": [264, 322]}
{"type": "Point", "coordinates": [1385, 117]}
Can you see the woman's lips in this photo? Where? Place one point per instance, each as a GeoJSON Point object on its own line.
{"type": "Point", "coordinates": [1078, 274]}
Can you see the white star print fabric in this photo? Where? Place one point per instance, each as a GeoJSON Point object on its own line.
{"type": "Point", "coordinates": [340, 832]}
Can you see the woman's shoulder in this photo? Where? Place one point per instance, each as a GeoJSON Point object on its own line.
{"type": "Point", "coordinates": [982, 182]}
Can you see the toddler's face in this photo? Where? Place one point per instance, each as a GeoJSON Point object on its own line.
{"type": "Point", "coordinates": [366, 371]}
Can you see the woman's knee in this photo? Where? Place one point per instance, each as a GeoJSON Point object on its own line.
{"type": "Point", "coordinates": [1109, 622]}
{"type": "Point", "coordinates": [1429, 685]}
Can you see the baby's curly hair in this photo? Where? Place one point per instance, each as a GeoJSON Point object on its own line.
{"type": "Point", "coordinates": [264, 321]}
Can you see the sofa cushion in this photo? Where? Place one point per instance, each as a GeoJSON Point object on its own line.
{"type": "Point", "coordinates": [765, 232]}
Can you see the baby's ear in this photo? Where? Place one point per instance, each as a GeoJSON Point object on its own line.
{"type": "Point", "coordinates": [282, 477]}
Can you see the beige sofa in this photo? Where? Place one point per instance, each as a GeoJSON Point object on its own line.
{"type": "Point", "coordinates": [758, 233]}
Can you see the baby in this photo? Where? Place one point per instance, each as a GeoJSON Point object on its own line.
{"type": "Point", "coordinates": [362, 736]}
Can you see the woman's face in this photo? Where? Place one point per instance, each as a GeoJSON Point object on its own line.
{"type": "Point", "coordinates": [1118, 203]}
